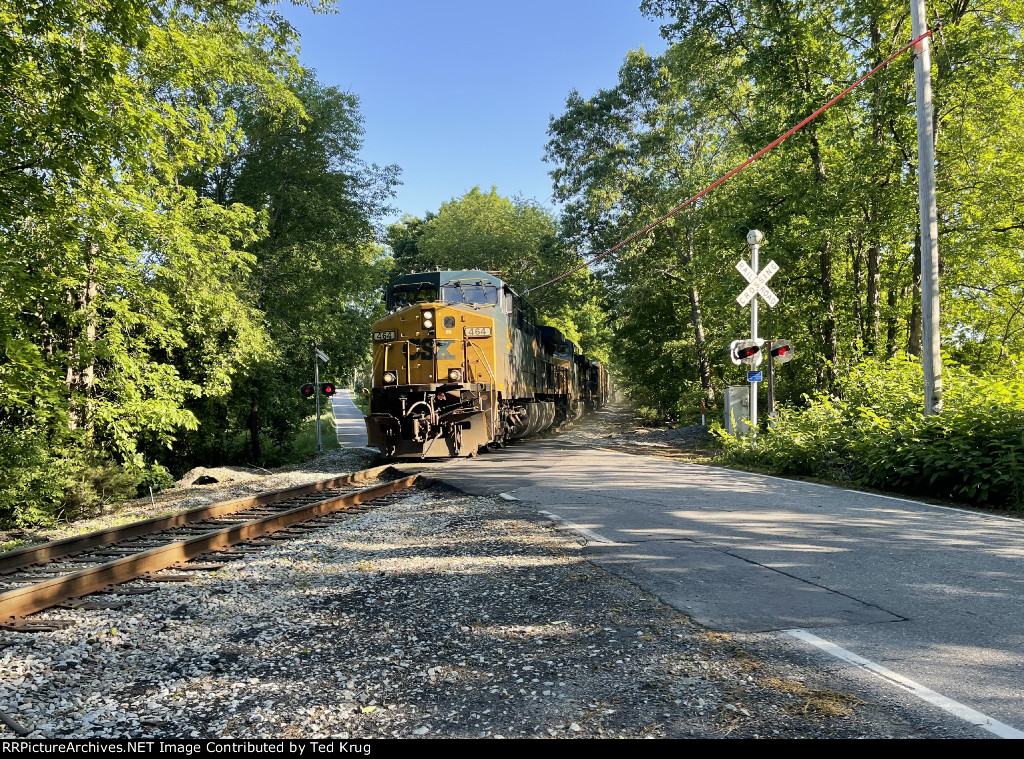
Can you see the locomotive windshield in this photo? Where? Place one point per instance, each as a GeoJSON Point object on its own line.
{"type": "Point", "coordinates": [403, 296]}
{"type": "Point", "coordinates": [476, 292]}
{"type": "Point", "coordinates": [470, 291]}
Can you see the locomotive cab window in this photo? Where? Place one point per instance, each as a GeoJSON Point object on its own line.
{"type": "Point", "coordinates": [479, 293]}
{"type": "Point", "coordinates": [403, 296]}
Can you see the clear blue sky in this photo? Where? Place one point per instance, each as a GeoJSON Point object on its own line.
{"type": "Point", "coordinates": [458, 93]}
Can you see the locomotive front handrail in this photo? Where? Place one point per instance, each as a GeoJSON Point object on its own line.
{"type": "Point", "coordinates": [494, 383]}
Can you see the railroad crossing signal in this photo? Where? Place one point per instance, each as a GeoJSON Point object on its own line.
{"type": "Point", "coordinates": [747, 351]}
{"type": "Point", "coordinates": [782, 351]}
{"type": "Point", "coordinates": [328, 388]}
{"type": "Point", "coordinates": [758, 283]}
{"type": "Point", "coordinates": [307, 390]}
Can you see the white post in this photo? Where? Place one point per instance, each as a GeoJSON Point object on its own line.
{"type": "Point", "coordinates": [931, 356]}
{"type": "Point", "coordinates": [754, 238]}
{"type": "Point", "coordinates": [316, 392]}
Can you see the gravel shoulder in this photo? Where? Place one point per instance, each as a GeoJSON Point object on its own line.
{"type": "Point", "coordinates": [437, 614]}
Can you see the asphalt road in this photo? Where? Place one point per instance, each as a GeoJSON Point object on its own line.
{"type": "Point", "coordinates": [922, 600]}
{"type": "Point", "coordinates": [348, 420]}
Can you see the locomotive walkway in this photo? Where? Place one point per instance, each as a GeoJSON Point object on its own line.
{"type": "Point", "coordinates": [927, 598]}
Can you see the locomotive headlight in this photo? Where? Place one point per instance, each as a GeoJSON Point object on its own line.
{"type": "Point", "coordinates": [428, 314]}
{"type": "Point", "coordinates": [427, 324]}
{"type": "Point", "coordinates": [455, 375]}
{"type": "Point", "coordinates": [390, 378]}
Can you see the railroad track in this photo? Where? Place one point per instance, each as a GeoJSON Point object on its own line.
{"type": "Point", "coordinates": [62, 572]}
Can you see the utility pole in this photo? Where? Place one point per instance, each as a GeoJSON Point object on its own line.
{"type": "Point", "coordinates": [931, 356]}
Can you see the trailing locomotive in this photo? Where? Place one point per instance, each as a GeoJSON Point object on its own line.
{"type": "Point", "coordinates": [460, 363]}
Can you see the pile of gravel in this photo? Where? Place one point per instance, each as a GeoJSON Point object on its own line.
{"type": "Point", "coordinates": [437, 614]}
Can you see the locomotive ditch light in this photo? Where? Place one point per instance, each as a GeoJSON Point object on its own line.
{"type": "Point", "coordinates": [328, 388]}
{"type": "Point", "coordinates": [390, 378]}
{"type": "Point", "coordinates": [782, 351]}
{"type": "Point", "coordinates": [455, 375]}
{"type": "Point", "coordinates": [307, 390]}
{"type": "Point", "coordinates": [747, 351]}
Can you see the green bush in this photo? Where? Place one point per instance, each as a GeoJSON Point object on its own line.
{"type": "Point", "coordinates": [874, 434]}
{"type": "Point", "coordinates": [98, 484]}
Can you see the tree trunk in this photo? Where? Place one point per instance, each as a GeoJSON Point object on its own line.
{"type": "Point", "coordinates": [874, 306]}
{"type": "Point", "coordinates": [827, 375]}
{"type": "Point", "coordinates": [914, 331]}
{"type": "Point", "coordinates": [697, 320]}
{"type": "Point", "coordinates": [892, 322]}
{"type": "Point", "coordinates": [856, 254]}
{"type": "Point", "coordinates": [253, 423]}
{"type": "Point", "coordinates": [81, 369]}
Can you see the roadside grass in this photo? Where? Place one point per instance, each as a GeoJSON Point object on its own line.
{"type": "Point", "coordinates": [711, 453]}
{"type": "Point", "coordinates": [304, 444]}
{"type": "Point", "coordinates": [745, 662]}
{"type": "Point", "coordinates": [362, 401]}
{"type": "Point", "coordinates": [823, 703]}
{"type": "Point", "coordinates": [15, 544]}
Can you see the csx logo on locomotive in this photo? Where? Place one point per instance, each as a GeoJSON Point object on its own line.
{"type": "Point", "coordinates": [459, 393]}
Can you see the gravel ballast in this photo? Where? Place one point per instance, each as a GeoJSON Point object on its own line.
{"type": "Point", "coordinates": [437, 615]}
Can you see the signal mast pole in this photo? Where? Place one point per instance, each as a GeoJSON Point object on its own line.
{"type": "Point", "coordinates": [931, 356]}
{"type": "Point", "coordinates": [754, 238]}
{"type": "Point", "coordinates": [316, 392]}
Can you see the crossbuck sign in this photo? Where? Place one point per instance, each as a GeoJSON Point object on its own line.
{"type": "Point", "coordinates": [758, 283]}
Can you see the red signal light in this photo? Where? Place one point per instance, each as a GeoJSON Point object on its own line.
{"type": "Point", "coordinates": [782, 351]}
{"type": "Point", "coordinates": [327, 388]}
{"type": "Point", "coordinates": [747, 352]}
{"type": "Point", "coordinates": [307, 391]}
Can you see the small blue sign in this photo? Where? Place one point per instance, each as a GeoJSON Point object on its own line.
{"type": "Point", "coordinates": [753, 376]}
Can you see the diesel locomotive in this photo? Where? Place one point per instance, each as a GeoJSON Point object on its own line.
{"type": "Point", "coordinates": [460, 363]}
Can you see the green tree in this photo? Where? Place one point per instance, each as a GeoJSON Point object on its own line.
{"type": "Point", "coordinates": [318, 272]}
{"type": "Point", "coordinates": [520, 240]}
{"type": "Point", "coordinates": [122, 290]}
{"type": "Point", "coordinates": [837, 201]}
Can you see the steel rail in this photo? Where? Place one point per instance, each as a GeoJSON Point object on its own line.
{"type": "Point", "coordinates": [21, 602]}
{"type": "Point", "coordinates": [59, 548]}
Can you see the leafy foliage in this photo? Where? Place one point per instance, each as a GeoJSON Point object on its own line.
{"type": "Point", "coordinates": [181, 217]}
{"type": "Point", "coordinates": [837, 201]}
{"type": "Point", "coordinates": [875, 435]}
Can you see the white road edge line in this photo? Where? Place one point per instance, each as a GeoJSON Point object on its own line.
{"type": "Point", "coordinates": [955, 708]}
{"type": "Point", "coordinates": [584, 531]}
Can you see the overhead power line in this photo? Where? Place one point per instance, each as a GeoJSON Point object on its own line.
{"type": "Point", "coordinates": [778, 141]}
